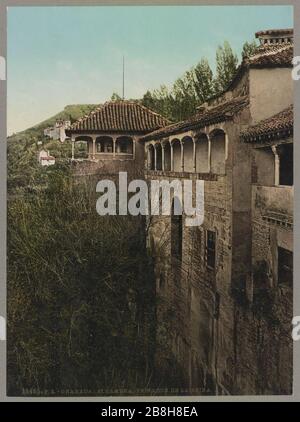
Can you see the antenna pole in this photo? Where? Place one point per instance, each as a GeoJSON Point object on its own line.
{"type": "Point", "coordinates": [123, 95]}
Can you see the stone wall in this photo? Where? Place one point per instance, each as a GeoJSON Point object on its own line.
{"type": "Point", "coordinates": [222, 331]}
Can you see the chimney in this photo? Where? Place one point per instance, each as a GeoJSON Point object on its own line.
{"type": "Point", "coordinates": [275, 36]}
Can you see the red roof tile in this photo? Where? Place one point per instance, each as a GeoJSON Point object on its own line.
{"type": "Point", "coordinates": [278, 126]}
{"type": "Point", "coordinates": [288, 31]}
{"type": "Point", "coordinates": [119, 116]}
{"type": "Point", "coordinates": [47, 158]}
{"type": "Point", "coordinates": [271, 55]}
{"type": "Point", "coordinates": [219, 113]}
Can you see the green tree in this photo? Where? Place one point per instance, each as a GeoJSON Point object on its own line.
{"type": "Point", "coordinates": [249, 48]}
{"type": "Point", "coordinates": [184, 95]}
{"type": "Point", "coordinates": [203, 80]}
{"type": "Point", "coordinates": [115, 97]}
{"type": "Point", "coordinates": [227, 62]}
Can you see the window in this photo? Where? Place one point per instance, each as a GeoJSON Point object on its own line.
{"type": "Point", "coordinates": [285, 153]}
{"type": "Point", "coordinates": [124, 145]}
{"type": "Point", "coordinates": [176, 231]}
{"type": "Point", "coordinates": [285, 266]}
{"type": "Point", "coordinates": [176, 236]}
{"type": "Point", "coordinates": [217, 305]}
{"type": "Point", "coordinates": [210, 249]}
{"type": "Point", "coordinates": [104, 144]}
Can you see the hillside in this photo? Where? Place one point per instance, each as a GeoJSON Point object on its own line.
{"type": "Point", "coordinates": [22, 148]}
{"type": "Point", "coordinates": [72, 112]}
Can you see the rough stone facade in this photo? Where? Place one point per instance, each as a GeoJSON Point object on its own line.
{"type": "Point", "coordinates": [224, 289]}
{"type": "Point", "coordinates": [227, 329]}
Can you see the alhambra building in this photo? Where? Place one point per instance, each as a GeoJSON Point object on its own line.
{"type": "Point", "coordinates": [224, 290]}
{"type": "Point", "coordinates": [112, 133]}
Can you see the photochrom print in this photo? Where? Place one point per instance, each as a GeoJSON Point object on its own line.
{"type": "Point", "coordinates": [150, 201]}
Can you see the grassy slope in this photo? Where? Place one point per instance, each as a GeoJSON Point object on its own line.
{"type": "Point", "coordinates": [72, 112]}
{"type": "Point", "coordinates": [22, 148]}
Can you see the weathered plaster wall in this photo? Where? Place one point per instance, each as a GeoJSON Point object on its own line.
{"type": "Point", "coordinates": [271, 90]}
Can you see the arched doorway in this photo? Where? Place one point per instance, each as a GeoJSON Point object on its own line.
{"type": "Point", "coordinates": [150, 158]}
{"type": "Point", "coordinates": [188, 154]}
{"type": "Point", "coordinates": [167, 156]}
{"type": "Point", "coordinates": [218, 147]}
{"type": "Point", "coordinates": [82, 147]}
{"type": "Point", "coordinates": [104, 145]}
{"type": "Point", "coordinates": [176, 144]}
{"type": "Point", "coordinates": [158, 148]}
{"type": "Point", "coordinates": [202, 153]}
{"type": "Point", "coordinates": [124, 145]}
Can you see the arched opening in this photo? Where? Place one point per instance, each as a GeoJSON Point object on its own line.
{"type": "Point", "coordinates": [82, 146]}
{"type": "Point", "coordinates": [218, 146]}
{"type": "Point", "coordinates": [158, 157]}
{"type": "Point", "coordinates": [202, 153]}
{"type": "Point", "coordinates": [188, 153]}
{"type": "Point", "coordinates": [104, 145]}
{"type": "Point", "coordinates": [124, 145]}
{"type": "Point", "coordinates": [176, 155]}
{"type": "Point", "coordinates": [167, 156]}
{"type": "Point", "coordinates": [151, 165]}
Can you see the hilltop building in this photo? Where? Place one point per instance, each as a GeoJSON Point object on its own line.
{"type": "Point", "coordinates": [45, 159]}
{"type": "Point", "coordinates": [224, 289]}
{"type": "Point", "coordinates": [112, 134]}
{"type": "Point", "coordinates": [58, 131]}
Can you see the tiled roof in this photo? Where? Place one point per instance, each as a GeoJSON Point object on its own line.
{"type": "Point", "coordinates": [265, 56]}
{"type": "Point", "coordinates": [278, 126]}
{"type": "Point", "coordinates": [271, 55]}
{"type": "Point", "coordinates": [119, 116]}
{"type": "Point", "coordinates": [48, 158]}
{"type": "Point", "coordinates": [219, 113]}
{"type": "Point", "coordinates": [288, 31]}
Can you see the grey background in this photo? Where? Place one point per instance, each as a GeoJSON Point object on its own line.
{"type": "Point", "coordinates": [3, 42]}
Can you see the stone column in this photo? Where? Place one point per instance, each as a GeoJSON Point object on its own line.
{"type": "Point", "coordinates": [182, 156]}
{"type": "Point", "coordinates": [133, 146]}
{"type": "Point", "coordinates": [226, 146]}
{"type": "Point", "coordinates": [147, 152]}
{"type": "Point", "coordinates": [94, 148]}
{"type": "Point", "coordinates": [172, 156]}
{"type": "Point", "coordinates": [194, 155]}
{"type": "Point", "coordinates": [163, 156]}
{"type": "Point", "coordinates": [114, 147]}
{"type": "Point", "coordinates": [209, 154]}
{"type": "Point", "coordinates": [155, 158]}
{"type": "Point", "coordinates": [73, 148]}
{"type": "Point", "coordinates": [276, 165]}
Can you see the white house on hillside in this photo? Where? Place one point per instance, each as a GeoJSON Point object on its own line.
{"type": "Point", "coordinates": [45, 159]}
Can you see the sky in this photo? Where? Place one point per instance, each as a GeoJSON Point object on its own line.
{"type": "Point", "coordinates": [73, 55]}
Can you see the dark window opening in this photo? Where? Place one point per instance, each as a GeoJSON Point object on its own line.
{"type": "Point", "coordinates": [285, 266]}
{"type": "Point", "coordinates": [285, 153]}
{"type": "Point", "coordinates": [217, 305]}
{"type": "Point", "coordinates": [124, 145]}
{"type": "Point", "coordinates": [210, 249]}
{"type": "Point", "coordinates": [104, 145]}
{"type": "Point", "coordinates": [176, 235]}
{"type": "Point", "coordinates": [158, 157]}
